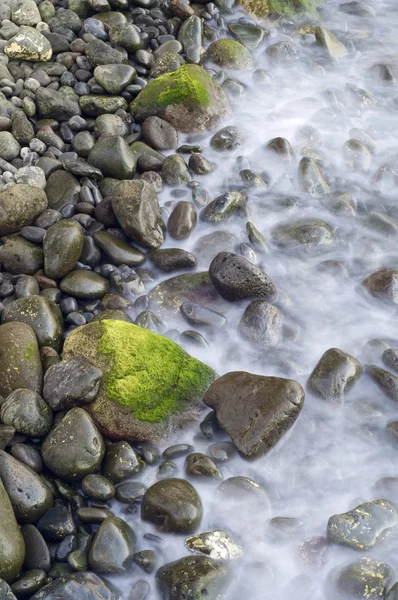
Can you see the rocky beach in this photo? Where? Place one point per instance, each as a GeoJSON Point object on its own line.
{"type": "Point", "coordinates": [198, 300]}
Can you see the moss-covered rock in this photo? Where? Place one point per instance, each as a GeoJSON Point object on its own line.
{"type": "Point", "coordinates": [290, 9]}
{"type": "Point", "coordinates": [152, 388]}
{"type": "Point", "coordinates": [229, 55]}
{"type": "Point", "coordinates": [187, 98]}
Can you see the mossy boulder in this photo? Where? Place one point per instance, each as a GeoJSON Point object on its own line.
{"type": "Point", "coordinates": [152, 388]}
{"type": "Point", "coordinates": [229, 55]}
{"type": "Point", "coordinates": [290, 9]}
{"type": "Point", "coordinates": [187, 98]}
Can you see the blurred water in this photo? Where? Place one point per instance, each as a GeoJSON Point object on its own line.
{"type": "Point", "coordinates": [332, 458]}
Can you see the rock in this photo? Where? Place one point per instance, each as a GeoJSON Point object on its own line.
{"type": "Point", "coordinates": [121, 462]}
{"type": "Point", "coordinates": [170, 259]}
{"type": "Point", "coordinates": [62, 189]}
{"type": "Point", "coordinates": [28, 44]}
{"type": "Point", "coordinates": [57, 523]}
{"type": "Point", "coordinates": [199, 465]}
{"type": "Point", "coordinates": [93, 106]}
{"type": "Point", "coordinates": [98, 487]}
{"type": "Point", "coordinates": [173, 505]}
{"type": "Point", "coordinates": [188, 98]}
{"type": "Point", "coordinates": [270, 408]}
{"type": "Point", "coordinates": [196, 577]}
{"type": "Point", "coordinates": [74, 448]}
{"type": "Point", "coordinates": [12, 547]}
{"type": "Point", "coordinates": [366, 578]}
{"type": "Point", "coordinates": [282, 54]}
{"type": "Point", "coordinates": [100, 53]}
{"type": "Point", "coordinates": [136, 207]}
{"type": "Point", "coordinates": [27, 412]}
{"type": "Point", "coordinates": [42, 314]}
{"type": "Point", "coordinates": [169, 295]}
{"type": "Point", "coordinates": [71, 383]}
{"type": "Point", "coordinates": [248, 35]}
{"type": "Point", "coordinates": [113, 157]}
{"type": "Point", "coordinates": [159, 134]}
{"type": "Point", "coordinates": [385, 381]}
{"type": "Point", "coordinates": [19, 256]}
{"type": "Point", "coordinates": [20, 205]}
{"type": "Point", "coordinates": [118, 251]}
{"type": "Point", "coordinates": [62, 247]}
{"type": "Point", "coordinates": [312, 180]}
{"type": "Point", "coordinates": [114, 78]}
{"type": "Point", "coordinates": [335, 373]}
{"type": "Point", "coordinates": [261, 323]}
{"type": "Point", "coordinates": [5, 591]}
{"type": "Point", "coordinates": [9, 147]}
{"type": "Point", "coordinates": [78, 586]}
{"type": "Point", "coordinates": [20, 364]}
{"type": "Point", "coordinates": [139, 399]}
{"type": "Point", "coordinates": [227, 138]}
{"type": "Point", "coordinates": [223, 207]}
{"type": "Point", "coordinates": [229, 55]}
{"type": "Point", "coordinates": [393, 591]}
{"type": "Point", "coordinates": [54, 105]}
{"type": "Point", "coordinates": [30, 496]}
{"type": "Point", "coordinates": [37, 555]}
{"type": "Point", "coordinates": [383, 285]}
{"type": "Point", "coordinates": [85, 284]}
{"type": "Point", "coordinates": [290, 9]}
{"type": "Point", "coordinates": [365, 525]}
{"type": "Point", "coordinates": [390, 358]}
{"type": "Point", "coordinates": [218, 545]}
{"type": "Point", "coordinates": [113, 547]}
{"type": "Point", "coordinates": [235, 278]}
{"type": "Point", "coordinates": [334, 48]}
{"type": "Point", "coordinates": [175, 170]}
{"type": "Point", "coordinates": [310, 235]}
{"type": "Point", "coordinates": [182, 220]}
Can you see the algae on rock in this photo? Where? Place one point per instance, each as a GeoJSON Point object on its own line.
{"type": "Point", "coordinates": [289, 9]}
{"type": "Point", "coordinates": [151, 388]}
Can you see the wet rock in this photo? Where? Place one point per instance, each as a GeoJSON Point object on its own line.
{"type": "Point", "coordinates": [54, 105]}
{"type": "Point", "coordinates": [228, 138]}
{"type": "Point", "coordinates": [223, 207]}
{"type": "Point", "coordinates": [312, 180]}
{"type": "Point", "coordinates": [196, 577]}
{"type": "Point", "coordinates": [182, 220]}
{"type": "Point", "coordinates": [248, 35]}
{"type": "Point", "coordinates": [57, 523]}
{"type": "Point", "coordinates": [200, 465]}
{"type": "Point", "coordinates": [29, 582]}
{"type": "Point", "coordinates": [199, 315]}
{"type": "Point", "coordinates": [114, 78]}
{"type": "Point", "coordinates": [173, 505]}
{"type": "Point", "coordinates": [136, 207]}
{"type": "Point", "coordinates": [113, 547]}
{"type": "Point", "coordinates": [383, 285]}
{"type": "Point", "coordinates": [30, 497]}
{"type": "Point", "coordinates": [37, 555]}
{"type": "Point", "coordinates": [270, 408]}
{"type": "Point", "coordinates": [20, 205]}
{"type": "Point", "coordinates": [228, 54]}
{"type": "Point", "coordinates": [218, 545]}
{"type": "Point", "coordinates": [261, 323]}
{"type": "Point", "coordinates": [208, 246]}
{"type": "Point", "coordinates": [332, 45]}
{"type": "Point", "coordinates": [175, 170]}
{"type": "Point", "coordinates": [335, 373]}
{"type": "Point", "coordinates": [130, 491]}
{"type": "Point", "coordinates": [169, 96]}
{"type": "Point", "coordinates": [113, 157]}
{"type": "Point", "coordinates": [310, 235]}
{"type": "Point", "coordinates": [5, 591]}
{"type": "Point", "coordinates": [121, 462]}
{"type": "Point", "coordinates": [390, 359]}
{"type": "Point", "coordinates": [62, 189]}
{"type": "Point", "coordinates": [118, 251]}
{"type": "Point", "coordinates": [28, 44]}
{"type": "Point", "coordinates": [98, 487]}
{"type": "Point", "coordinates": [362, 527]}
{"type": "Point", "coordinates": [62, 246]}
{"type": "Point", "coordinates": [200, 165]}
{"type": "Point", "coordinates": [366, 578]}
{"type": "Point", "coordinates": [42, 314]}
{"type": "Point", "coordinates": [139, 399]}
{"type": "Point", "coordinates": [12, 547]}
{"type": "Point", "coordinates": [283, 53]}
{"type": "Point", "coordinates": [78, 586]}
{"type": "Point", "coordinates": [19, 256]}
{"type": "Point", "coordinates": [385, 381]}
{"type": "Point", "coordinates": [20, 364]}
{"type": "Point", "coordinates": [159, 134]}
{"type": "Point", "coordinates": [169, 295]}
{"type": "Point", "coordinates": [27, 412]}
{"type": "Point", "coordinates": [85, 285]}
{"type": "Point", "coordinates": [74, 448]}
{"type": "Point", "coordinates": [235, 278]}
{"type": "Point", "coordinates": [71, 383]}
{"type": "Point", "coordinates": [170, 259]}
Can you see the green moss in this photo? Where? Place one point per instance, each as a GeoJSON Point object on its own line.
{"type": "Point", "coordinates": [286, 8]}
{"type": "Point", "coordinates": [229, 53]}
{"type": "Point", "coordinates": [149, 373]}
{"type": "Point", "coordinates": [30, 351]}
{"type": "Point", "coordinates": [187, 85]}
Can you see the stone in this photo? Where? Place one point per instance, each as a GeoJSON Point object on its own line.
{"type": "Point", "coordinates": [312, 180]}
{"type": "Point", "coordinates": [173, 506]}
{"type": "Point", "coordinates": [5, 591]}
{"type": "Point", "coordinates": [188, 98]}
{"type": "Point", "coordinates": [175, 170]}
{"type": "Point", "coordinates": [169, 295]}
{"type": "Point", "coordinates": [182, 220]}
{"type": "Point", "coordinates": [98, 487]}
{"type": "Point", "coordinates": [256, 411]}
{"type": "Point", "coordinates": [30, 496]}
{"type": "Point", "coordinates": [310, 235]}
{"type": "Point", "coordinates": [114, 78]}
{"type": "Point", "coordinates": [100, 53]}
{"type": "Point", "coordinates": [71, 383]}
{"type": "Point", "coordinates": [37, 555]}
{"type": "Point", "coordinates": [19, 256]}
{"type": "Point", "coordinates": [85, 285]}
{"type": "Point", "coordinates": [42, 314]}
{"type": "Point", "coordinates": [57, 523]}
{"type": "Point", "coordinates": [20, 205]}
{"type": "Point", "coordinates": [9, 147]}
{"type": "Point", "coordinates": [385, 381]}
{"type": "Point", "coordinates": [169, 259]}
{"type": "Point", "coordinates": [113, 547]}
{"type": "Point", "coordinates": [113, 157]}
{"type": "Point", "coordinates": [20, 364]}
{"type": "Point", "coordinates": [229, 55]}
{"type": "Point", "coordinates": [261, 323]}
{"type": "Point", "coordinates": [74, 448]}
{"type": "Point", "coordinates": [51, 104]}
{"type": "Point", "coordinates": [218, 545]}
{"type": "Point", "coordinates": [159, 134]}
{"type": "Point", "coordinates": [139, 399]}
{"type": "Point", "coordinates": [118, 251]}
{"type": "Point", "coordinates": [290, 9]}
{"type": "Point", "coordinates": [196, 577]}
{"type": "Point", "coordinates": [136, 207]}
{"type": "Point", "coordinates": [93, 106]}
{"type": "Point", "coordinates": [199, 465]}
{"type": "Point", "coordinates": [332, 45]}
{"type": "Point", "coordinates": [77, 586]}
{"type": "Point", "coordinates": [227, 138]}
{"type": "Point", "coordinates": [335, 373]}
{"type": "Point", "coordinates": [62, 247]}
{"type": "Point", "coordinates": [25, 12]}
{"type": "Point", "coordinates": [235, 278]}
{"type": "Point", "coordinates": [12, 547]}
{"type": "Point", "coordinates": [366, 578]}
{"type": "Point", "coordinates": [364, 526]}
{"type": "Point", "coordinates": [28, 44]}
{"type": "Point", "coordinates": [383, 285]}
{"type": "Point", "coordinates": [62, 189]}
{"type": "Point", "coordinates": [223, 207]}
{"type": "Point", "coordinates": [27, 412]}
{"type": "Point", "coordinates": [121, 462]}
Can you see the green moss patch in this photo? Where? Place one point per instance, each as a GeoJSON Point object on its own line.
{"type": "Point", "coordinates": [286, 8]}
{"type": "Point", "coordinates": [149, 373]}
